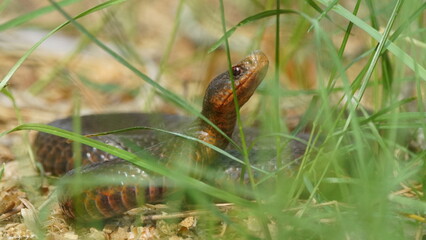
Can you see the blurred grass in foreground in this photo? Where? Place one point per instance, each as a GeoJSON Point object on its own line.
{"type": "Point", "coordinates": [363, 177]}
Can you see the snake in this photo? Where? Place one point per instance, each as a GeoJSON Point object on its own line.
{"type": "Point", "coordinates": [105, 200]}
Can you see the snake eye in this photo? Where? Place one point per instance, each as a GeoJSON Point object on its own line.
{"type": "Point", "coordinates": [237, 71]}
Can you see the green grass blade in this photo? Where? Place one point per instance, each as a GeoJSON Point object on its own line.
{"type": "Point", "coordinates": [32, 15]}
{"type": "Point", "coordinates": [237, 106]}
{"type": "Point", "coordinates": [15, 67]}
{"type": "Point", "coordinates": [378, 52]}
{"type": "Point", "coordinates": [407, 22]}
{"type": "Point", "coordinates": [3, 166]}
{"type": "Point", "coordinates": [255, 17]}
{"type": "Point", "coordinates": [393, 48]}
{"type": "Point", "coordinates": [331, 82]}
{"type": "Point", "coordinates": [261, 217]}
{"type": "Point", "coordinates": [388, 109]}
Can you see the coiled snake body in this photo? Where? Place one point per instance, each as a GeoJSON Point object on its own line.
{"type": "Point", "coordinates": [105, 201]}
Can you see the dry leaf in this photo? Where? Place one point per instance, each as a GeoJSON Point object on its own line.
{"type": "Point", "coordinates": [143, 233]}
{"type": "Point", "coordinates": [96, 234]}
{"type": "Point", "coordinates": [189, 222]}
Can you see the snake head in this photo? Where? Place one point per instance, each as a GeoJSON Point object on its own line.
{"type": "Point", "coordinates": [247, 75]}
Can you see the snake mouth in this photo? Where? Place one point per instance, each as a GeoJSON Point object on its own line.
{"type": "Point", "coordinates": [248, 74]}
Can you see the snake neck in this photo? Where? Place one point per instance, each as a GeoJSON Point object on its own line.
{"type": "Point", "coordinates": [209, 134]}
{"type": "Point", "coordinates": [200, 129]}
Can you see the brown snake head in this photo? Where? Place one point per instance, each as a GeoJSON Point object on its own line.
{"type": "Point", "coordinates": [219, 106]}
{"type": "Point", "coordinates": [247, 74]}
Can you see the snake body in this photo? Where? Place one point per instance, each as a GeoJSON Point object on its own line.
{"type": "Point", "coordinates": [105, 200]}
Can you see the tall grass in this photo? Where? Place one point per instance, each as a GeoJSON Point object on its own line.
{"type": "Point", "coordinates": [360, 175]}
